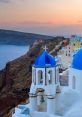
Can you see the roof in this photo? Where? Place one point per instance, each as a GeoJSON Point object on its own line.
{"type": "Point", "coordinates": [77, 60]}
{"type": "Point", "coordinates": [45, 60]}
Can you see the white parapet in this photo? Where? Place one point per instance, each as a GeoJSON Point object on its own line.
{"type": "Point", "coordinates": [51, 104]}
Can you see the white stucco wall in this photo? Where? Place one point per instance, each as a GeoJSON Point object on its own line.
{"type": "Point", "coordinates": [78, 79]}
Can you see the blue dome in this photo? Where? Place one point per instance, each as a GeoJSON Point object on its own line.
{"type": "Point", "coordinates": [45, 60]}
{"type": "Point", "coordinates": [77, 60]}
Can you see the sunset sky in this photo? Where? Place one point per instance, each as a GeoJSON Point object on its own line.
{"type": "Point", "coordinates": [52, 17]}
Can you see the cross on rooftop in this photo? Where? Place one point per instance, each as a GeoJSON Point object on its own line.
{"type": "Point", "coordinates": [45, 48]}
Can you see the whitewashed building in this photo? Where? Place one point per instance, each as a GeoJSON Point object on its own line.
{"type": "Point", "coordinates": [46, 97]}
{"type": "Point", "coordinates": [75, 72]}
{"type": "Point", "coordinates": [75, 42]}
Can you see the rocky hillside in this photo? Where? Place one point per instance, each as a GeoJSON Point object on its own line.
{"type": "Point", "coordinates": [15, 79]}
{"type": "Point", "coordinates": [20, 38]}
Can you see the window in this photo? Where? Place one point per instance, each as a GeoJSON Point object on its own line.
{"type": "Point", "coordinates": [74, 82]}
{"type": "Point", "coordinates": [40, 76]}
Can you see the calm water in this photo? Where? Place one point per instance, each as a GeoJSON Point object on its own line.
{"type": "Point", "coordinates": [11, 52]}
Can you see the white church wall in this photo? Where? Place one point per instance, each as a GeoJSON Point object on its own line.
{"type": "Point", "coordinates": [75, 111]}
{"type": "Point", "coordinates": [78, 79]}
{"type": "Point", "coordinates": [39, 114]}
{"type": "Point", "coordinates": [51, 105]}
{"type": "Point", "coordinates": [65, 100]}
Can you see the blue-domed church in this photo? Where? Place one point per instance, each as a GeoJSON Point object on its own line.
{"type": "Point", "coordinates": [46, 97]}
{"type": "Point", "coordinates": [75, 72]}
{"type": "Point", "coordinates": [45, 82]}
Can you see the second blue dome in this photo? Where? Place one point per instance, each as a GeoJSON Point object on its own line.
{"type": "Point", "coordinates": [77, 60]}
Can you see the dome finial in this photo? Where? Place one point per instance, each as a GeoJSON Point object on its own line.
{"type": "Point", "coordinates": [45, 48]}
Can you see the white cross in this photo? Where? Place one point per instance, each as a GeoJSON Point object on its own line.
{"type": "Point", "coordinates": [45, 48]}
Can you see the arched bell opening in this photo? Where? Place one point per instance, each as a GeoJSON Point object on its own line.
{"type": "Point", "coordinates": [40, 77]}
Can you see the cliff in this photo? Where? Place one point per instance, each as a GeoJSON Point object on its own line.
{"type": "Point", "coordinates": [15, 79]}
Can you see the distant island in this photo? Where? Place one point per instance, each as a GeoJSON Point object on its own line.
{"type": "Point", "coordinates": [10, 37]}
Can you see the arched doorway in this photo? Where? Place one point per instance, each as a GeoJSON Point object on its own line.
{"type": "Point", "coordinates": [74, 82]}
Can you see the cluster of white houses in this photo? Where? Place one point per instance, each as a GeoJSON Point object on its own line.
{"type": "Point", "coordinates": [67, 52]}
{"type": "Point", "coordinates": [46, 97]}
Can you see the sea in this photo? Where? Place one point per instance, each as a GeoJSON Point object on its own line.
{"type": "Point", "coordinates": [11, 52]}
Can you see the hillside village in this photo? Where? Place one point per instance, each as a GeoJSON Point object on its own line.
{"type": "Point", "coordinates": [66, 53]}
{"type": "Point", "coordinates": [47, 97]}
{"type": "Point", "coordinates": [40, 58]}
{"type": "Point", "coordinates": [62, 49]}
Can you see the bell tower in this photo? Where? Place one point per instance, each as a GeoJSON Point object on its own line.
{"type": "Point", "coordinates": [45, 81]}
